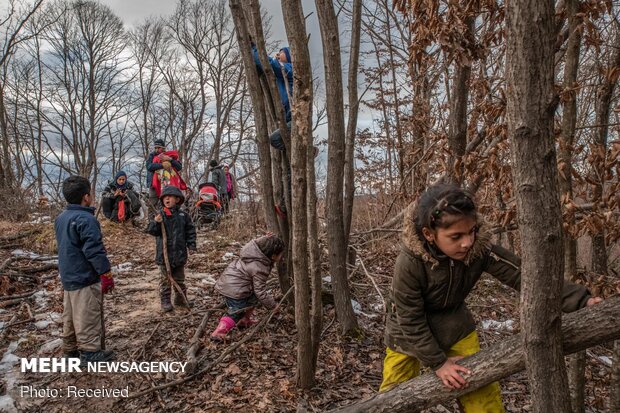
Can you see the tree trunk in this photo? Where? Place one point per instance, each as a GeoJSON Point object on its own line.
{"type": "Point", "coordinates": [457, 135]}
{"type": "Point", "coordinates": [567, 137]}
{"type": "Point", "coordinates": [335, 166]}
{"type": "Point", "coordinates": [301, 143]}
{"type": "Point", "coordinates": [530, 108]}
{"type": "Point", "coordinates": [583, 329]}
{"type": "Point", "coordinates": [260, 120]}
{"type": "Point", "coordinates": [349, 160]}
{"type": "Point", "coordinates": [576, 362]}
{"type": "Point", "coordinates": [606, 91]}
{"type": "Point", "coordinates": [614, 391]}
{"type": "Point", "coordinates": [577, 380]}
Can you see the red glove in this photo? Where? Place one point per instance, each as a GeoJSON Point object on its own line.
{"type": "Point", "coordinates": [107, 282]}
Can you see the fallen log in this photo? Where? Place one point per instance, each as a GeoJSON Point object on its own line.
{"type": "Point", "coordinates": [8, 303]}
{"type": "Point", "coordinates": [582, 329]}
{"type": "Point", "coordinates": [23, 295]}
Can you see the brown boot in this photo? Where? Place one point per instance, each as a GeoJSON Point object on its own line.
{"type": "Point", "coordinates": [166, 305]}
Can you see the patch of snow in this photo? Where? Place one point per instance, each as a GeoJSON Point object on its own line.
{"type": "Point", "coordinates": [7, 370]}
{"type": "Point", "coordinates": [327, 278]}
{"type": "Point", "coordinates": [26, 254]}
{"type": "Point", "coordinates": [50, 346]}
{"type": "Point", "coordinates": [43, 324]}
{"type": "Point", "coordinates": [123, 267]}
{"type": "Point", "coordinates": [605, 360]}
{"type": "Point", "coordinates": [228, 256]}
{"type": "Point", "coordinates": [507, 325]}
{"type": "Point", "coordinates": [41, 298]}
{"type": "Point", "coordinates": [38, 218]}
{"type": "Point", "coordinates": [357, 309]}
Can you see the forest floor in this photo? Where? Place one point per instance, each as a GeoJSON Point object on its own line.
{"type": "Point", "coordinates": [260, 375]}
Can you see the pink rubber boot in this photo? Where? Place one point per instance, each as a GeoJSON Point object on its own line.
{"type": "Point", "coordinates": [247, 320]}
{"type": "Point", "coordinates": [226, 324]}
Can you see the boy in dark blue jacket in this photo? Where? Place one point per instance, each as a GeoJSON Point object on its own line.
{"type": "Point", "coordinates": [85, 274]}
{"type": "Point", "coordinates": [180, 236]}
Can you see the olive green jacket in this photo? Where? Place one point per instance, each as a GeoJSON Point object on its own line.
{"type": "Point", "coordinates": [426, 310]}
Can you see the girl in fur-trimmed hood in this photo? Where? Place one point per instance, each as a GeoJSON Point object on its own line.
{"type": "Point", "coordinates": [445, 249]}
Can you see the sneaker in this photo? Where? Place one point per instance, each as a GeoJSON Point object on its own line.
{"type": "Point", "coordinates": [96, 356]}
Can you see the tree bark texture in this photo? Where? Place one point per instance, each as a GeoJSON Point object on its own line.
{"type": "Point", "coordinates": [583, 329]}
{"type": "Point", "coordinates": [349, 157]}
{"type": "Point", "coordinates": [530, 108]}
{"type": "Point", "coordinates": [457, 136]}
{"type": "Point", "coordinates": [260, 120]}
{"type": "Point", "coordinates": [576, 362]}
{"type": "Point", "coordinates": [614, 402]}
{"type": "Point", "coordinates": [606, 91]}
{"type": "Point", "coordinates": [577, 379]}
{"type": "Point", "coordinates": [330, 37]}
{"type": "Point", "coordinates": [567, 137]}
{"type": "Point", "coordinates": [301, 133]}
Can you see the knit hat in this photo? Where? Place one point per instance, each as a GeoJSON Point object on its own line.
{"type": "Point", "coordinates": [213, 163]}
{"type": "Point", "coordinates": [287, 53]}
{"type": "Point", "coordinates": [160, 143]}
{"type": "Point", "coordinates": [172, 191]}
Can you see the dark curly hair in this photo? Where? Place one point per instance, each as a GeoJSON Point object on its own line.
{"type": "Point", "coordinates": [270, 245]}
{"type": "Point", "coordinates": [74, 188]}
{"type": "Point", "coordinates": [441, 205]}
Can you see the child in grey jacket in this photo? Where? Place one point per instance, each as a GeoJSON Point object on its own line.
{"type": "Point", "coordinates": [244, 283]}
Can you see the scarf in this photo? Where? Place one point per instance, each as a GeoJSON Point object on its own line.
{"type": "Point", "coordinates": [118, 175]}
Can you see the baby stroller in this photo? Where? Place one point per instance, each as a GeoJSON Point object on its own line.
{"type": "Point", "coordinates": [208, 206]}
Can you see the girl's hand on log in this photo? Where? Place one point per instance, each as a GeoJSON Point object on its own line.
{"type": "Point", "coordinates": [593, 301]}
{"type": "Point", "coordinates": [449, 373]}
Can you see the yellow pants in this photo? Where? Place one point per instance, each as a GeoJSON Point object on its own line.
{"type": "Point", "coordinates": [398, 367]}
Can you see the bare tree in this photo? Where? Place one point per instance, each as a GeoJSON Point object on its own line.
{"type": "Point", "coordinates": [530, 109]}
{"type": "Point", "coordinates": [12, 27]}
{"type": "Point", "coordinates": [335, 167]}
{"type": "Point", "coordinates": [87, 41]}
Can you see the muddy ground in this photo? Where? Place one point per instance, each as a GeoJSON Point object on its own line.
{"type": "Point", "coordinates": [260, 375]}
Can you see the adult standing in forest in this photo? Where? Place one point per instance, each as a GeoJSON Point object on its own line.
{"type": "Point", "coordinates": [217, 176]}
{"type": "Point", "coordinates": [283, 69]}
{"type": "Point", "coordinates": [152, 167]}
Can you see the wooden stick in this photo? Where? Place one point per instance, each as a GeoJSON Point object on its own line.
{"type": "Point", "coordinates": [194, 344]}
{"type": "Point", "coordinates": [167, 263]}
{"type": "Point", "coordinates": [222, 356]}
{"type": "Point", "coordinates": [14, 301]}
{"type": "Point", "coordinates": [374, 283]}
{"type": "Point", "coordinates": [23, 295]}
{"type": "Point", "coordinates": [141, 349]}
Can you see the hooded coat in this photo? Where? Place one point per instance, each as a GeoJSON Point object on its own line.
{"type": "Point", "coordinates": [246, 275]}
{"type": "Point", "coordinates": [427, 313]}
{"type": "Point", "coordinates": [284, 77]}
{"type": "Point", "coordinates": [180, 233]}
{"type": "Point", "coordinates": [218, 178]}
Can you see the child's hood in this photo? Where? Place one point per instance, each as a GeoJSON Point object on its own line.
{"type": "Point", "coordinates": [251, 252]}
{"type": "Point", "coordinates": [415, 245]}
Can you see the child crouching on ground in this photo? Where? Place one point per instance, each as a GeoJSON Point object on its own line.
{"type": "Point", "coordinates": [244, 283]}
{"type": "Point", "coordinates": [84, 272]}
{"type": "Point", "coordinates": [180, 236]}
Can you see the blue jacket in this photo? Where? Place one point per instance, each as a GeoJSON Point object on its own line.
{"type": "Point", "coordinates": [151, 167]}
{"type": "Point", "coordinates": [81, 255]}
{"type": "Point", "coordinates": [280, 70]}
